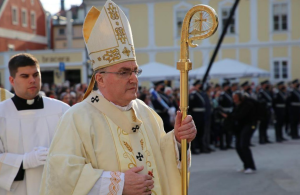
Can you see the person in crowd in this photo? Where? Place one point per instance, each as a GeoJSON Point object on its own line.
{"type": "Point", "coordinates": [27, 125]}
{"type": "Point", "coordinates": [65, 97]}
{"type": "Point", "coordinates": [112, 142]}
{"type": "Point", "coordinates": [244, 122]}
{"type": "Point", "coordinates": [217, 118]}
{"type": "Point", "coordinates": [246, 88]}
{"type": "Point", "coordinates": [206, 94]}
{"type": "Point", "coordinates": [247, 91]}
{"type": "Point", "coordinates": [161, 103]}
{"type": "Point", "coordinates": [234, 87]}
{"type": "Point", "coordinates": [293, 105]}
{"type": "Point", "coordinates": [197, 111]}
{"type": "Point", "coordinates": [50, 94]}
{"type": "Point", "coordinates": [279, 107]}
{"type": "Point", "coordinates": [173, 105]}
{"type": "Point", "coordinates": [265, 98]}
{"type": "Point", "coordinates": [226, 104]}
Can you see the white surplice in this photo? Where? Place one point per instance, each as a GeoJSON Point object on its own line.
{"type": "Point", "coordinates": [20, 132]}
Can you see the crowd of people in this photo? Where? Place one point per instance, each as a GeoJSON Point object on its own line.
{"type": "Point", "coordinates": [277, 105]}
{"type": "Point", "coordinates": [227, 115]}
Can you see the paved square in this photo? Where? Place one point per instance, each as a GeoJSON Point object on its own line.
{"type": "Point", "coordinates": [278, 171]}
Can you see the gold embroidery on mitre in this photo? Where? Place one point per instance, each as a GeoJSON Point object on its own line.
{"type": "Point", "coordinates": [113, 12]}
{"type": "Point", "coordinates": [114, 186]}
{"type": "Point", "coordinates": [112, 55]}
{"type": "Point", "coordinates": [132, 49]}
{"type": "Point", "coordinates": [99, 59]}
{"type": "Point", "coordinates": [120, 32]}
{"type": "Point", "coordinates": [126, 52]}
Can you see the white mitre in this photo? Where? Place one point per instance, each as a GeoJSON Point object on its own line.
{"type": "Point", "coordinates": [108, 38]}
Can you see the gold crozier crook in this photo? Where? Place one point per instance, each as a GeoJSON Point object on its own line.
{"type": "Point", "coordinates": [199, 23]}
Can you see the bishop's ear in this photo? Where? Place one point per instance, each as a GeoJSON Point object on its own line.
{"type": "Point", "coordinates": [99, 79]}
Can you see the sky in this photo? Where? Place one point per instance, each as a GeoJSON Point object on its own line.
{"type": "Point", "coordinates": [53, 6]}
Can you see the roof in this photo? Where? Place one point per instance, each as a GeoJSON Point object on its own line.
{"type": "Point", "coordinates": [228, 68]}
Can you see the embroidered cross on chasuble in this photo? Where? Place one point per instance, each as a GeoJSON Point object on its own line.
{"type": "Point", "coordinates": [131, 142]}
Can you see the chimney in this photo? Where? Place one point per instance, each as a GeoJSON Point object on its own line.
{"type": "Point", "coordinates": [62, 5]}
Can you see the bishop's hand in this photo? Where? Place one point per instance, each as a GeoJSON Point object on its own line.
{"type": "Point", "coordinates": [185, 129]}
{"type": "Point", "coordinates": [137, 184]}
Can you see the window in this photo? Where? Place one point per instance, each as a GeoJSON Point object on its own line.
{"type": "Point", "coordinates": [61, 31]}
{"type": "Point", "coordinates": [14, 11]}
{"type": "Point", "coordinates": [24, 17]}
{"type": "Point", "coordinates": [225, 16]}
{"type": "Point", "coordinates": [32, 2]}
{"type": "Point", "coordinates": [32, 20]}
{"type": "Point", "coordinates": [11, 47]}
{"type": "Point", "coordinates": [280, 17]}
{"type": "Point", "coordinates": [281, 69]}
{"type": "Point", "coordinates": [180, 14]}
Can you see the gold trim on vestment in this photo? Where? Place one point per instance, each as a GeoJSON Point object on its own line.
{"type": "Point", "coordinates": [114, 186]}
{"type": "Point", "coordinates": [2, 95]}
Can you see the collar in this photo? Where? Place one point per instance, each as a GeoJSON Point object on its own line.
{"type": "Point", "coordinates": [23, 104]}
{"type": "Point", "coordinates": [122, 108]}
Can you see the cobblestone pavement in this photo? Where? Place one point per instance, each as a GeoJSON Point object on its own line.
{"type": "Point", "coordinates": [278, 171]}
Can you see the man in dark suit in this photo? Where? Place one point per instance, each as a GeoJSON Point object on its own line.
{"type": "Point", "coordinates": [293, 103]}
{"type": "Point", "coordinates": [279, 106]}
{"type": "Point", "coordinates": [243, 116]}
{"type": "Point", "coordinates": [226, 104]}
{"type": "Point", "coordinates": [265, 98]}
{"type": "Point", "coordinates": [161, 103]}
{"type": "Point", "coordinates": [247, 91]}
{"type": "Point", "coordinates": [246, 88]}
{"type": "Point", "coordinates": [197, 110]}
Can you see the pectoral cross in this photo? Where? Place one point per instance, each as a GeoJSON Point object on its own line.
{"type": "Point", "coordinates": [135, 128]}
{"type": "Point", "coordinates": [95, 99]}
{"type": "Point", "coordinates": [139, 156]}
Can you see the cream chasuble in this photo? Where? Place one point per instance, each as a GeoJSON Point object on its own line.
{"type": "Point", "coordinates": [95, 136]}
{"type": "Point", "coordinates": [4, 94]}
{"type": "Point", "coordinates": [20, 132]}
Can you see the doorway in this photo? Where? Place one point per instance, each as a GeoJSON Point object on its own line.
{"type": "Point", "coordinates": [48, 77]}
{"type": "Point", "coordinates": [74, 76]}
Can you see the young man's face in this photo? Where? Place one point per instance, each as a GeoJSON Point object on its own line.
{"type": "Point", "coordinates": [27, 82]}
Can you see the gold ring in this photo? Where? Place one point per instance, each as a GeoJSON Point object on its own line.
{"type": "Point", "coordinates": [147, 189]}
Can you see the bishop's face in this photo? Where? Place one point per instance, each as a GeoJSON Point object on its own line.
{"type": "Point", "coordinates": [27, 82]}
{"type": "Point", "coordinates": [120, 90]}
